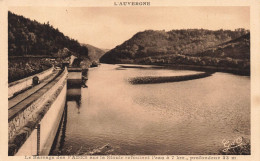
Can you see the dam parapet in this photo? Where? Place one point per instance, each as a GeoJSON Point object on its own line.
{"type": "Point", "coordinates": [36, 106]}
{"type": "Point", "coordinates": [33, 123]}
{"type": "Point", "coordinates": [27, 82]}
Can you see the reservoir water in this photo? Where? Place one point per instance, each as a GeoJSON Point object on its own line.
{"type": "Point", "coordinates": [114, 117]}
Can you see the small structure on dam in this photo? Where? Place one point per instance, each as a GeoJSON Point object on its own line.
{"type": "Point", "coordinates": [74, 77]}
{"type": "Point", "coordinates": [74, 84]}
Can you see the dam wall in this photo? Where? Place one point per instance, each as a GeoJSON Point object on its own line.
{"type": "Point", "coordinates": [33, 128]}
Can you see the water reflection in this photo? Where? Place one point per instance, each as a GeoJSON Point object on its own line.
{"type": "Point", "coordinates": [59, 140]}
{"type": "Point", "coordinates": [187, 117]}
{"type": "Point", "coordinates": [73, 95]}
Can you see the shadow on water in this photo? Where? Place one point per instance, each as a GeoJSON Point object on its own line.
{"type": "Point", "coordinates": [162, 79]}
{"type": "Point", "coordinates": [124, 67]}
{"type": "Point", "coordinates": [207, 69]}
{"type": "Point", "coordinates": [110, 126]}
{"type": "Point", "coordinates": [59, 140]}
{"type": "Point", "coordinates": [73, 94]}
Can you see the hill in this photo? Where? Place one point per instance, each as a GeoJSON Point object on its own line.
{"type": "Point", "coordinates": [94, 53]}
{"type": "Point", "coordinates": [27, 37]}
{"type": "Point", "coordinates": [236, 49]}
{"type": "Point", "coordinates": [106, 50]}
{"type": "Point", "coordinates": [221, 48]}
{"type": "Point", "coordinates": [32, 44]}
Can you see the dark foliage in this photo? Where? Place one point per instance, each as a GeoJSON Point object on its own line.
{"type": "Point", "coordinates": [76, 62]}
{"type": "Point", "coordinates": [221, 48]}
{"type": "Point", "coordinates": [27, 37]}
{"type": "Point", "coordinates": [21, 68]}
{"type": "Point", "coordinates": [30, 41]}
{"type": "Point", "coordinates": [166, 79]}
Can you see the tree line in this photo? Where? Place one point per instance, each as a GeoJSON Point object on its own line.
{"type": "Point", "coordinates": [220, 48]}
{"type": "Point", "coordinates": [29, 37]}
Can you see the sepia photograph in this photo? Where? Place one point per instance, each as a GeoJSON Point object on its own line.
{"type": "Point", "coordinates": [129, 81]}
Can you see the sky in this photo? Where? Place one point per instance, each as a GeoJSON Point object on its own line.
{"type": "Point", "coordinates": [107, 27]}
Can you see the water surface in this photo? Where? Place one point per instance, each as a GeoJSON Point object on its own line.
{"type": "Point", "coordinates": [189, 117]}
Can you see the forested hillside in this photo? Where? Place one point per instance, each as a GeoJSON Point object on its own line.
{"type": "Point", "coordinates": [30, 42]}
{"type": "Point", "coordinates": [94, 53]}
{"type": "Point", "coordinates": [221, 48]}
{"type": "Point", "coordinates": [29, 37]}
{"type": "Point", "coordinates": [236, 49]}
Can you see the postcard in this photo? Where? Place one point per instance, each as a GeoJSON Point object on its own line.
{"type": "Point", "coordinates": [130, 80]}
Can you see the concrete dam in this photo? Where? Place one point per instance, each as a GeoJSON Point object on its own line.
{"type": "Point", "coordinates": [35, 109]}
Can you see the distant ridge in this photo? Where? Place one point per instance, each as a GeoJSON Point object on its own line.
{"type": "Point", "coordinates": [94, 53]}
{"type": "Point", "coordinates": [199, 47]}
{"type": "Point", "coordinates": [106, 50]}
